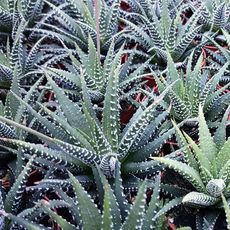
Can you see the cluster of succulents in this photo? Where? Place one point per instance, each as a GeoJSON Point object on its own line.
{"type": "Point", "coordinates": [114, 114]}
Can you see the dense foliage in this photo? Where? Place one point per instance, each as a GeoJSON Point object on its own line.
{"type": "Point", "coordinates": [114, 114]}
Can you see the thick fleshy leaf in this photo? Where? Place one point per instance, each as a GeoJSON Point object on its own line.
{"type": "Point", "coordinates": [136, 215]}
{"type": "Point", "coordinates": [89, 213]}
{"type": "Point", "coordinates": [205, 138]}
{"type": "Point", "coordinates": [227, 211]}
{"type": "Point", "coordinates": [184, 170]}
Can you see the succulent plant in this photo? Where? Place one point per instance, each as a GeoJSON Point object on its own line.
{"type": "Point", "coordinates": [72, 22]}
{"type": "Point", "coordinates": [195, 86]}
{"type": "Point", "coordinates": [158, 30]}
{"type": "Point", "coordinates": [97, 71]}
{"type": "Point", "coordinates": [11, 201]}
{"type": "Point", "coordinates": [75, 136]}
{"type": "Point", "coordinates": [214, 14]}
{"type": "Point", "coordinates": [116, 212]}
{"type": "Point", "coordinates": [12, 12]}
{"type": "Point", "coordinates": [87, 88]}
{"type": "Point", "coordinates": [23, 60]}
{"type": "Point", "coordinates": [206, 167]}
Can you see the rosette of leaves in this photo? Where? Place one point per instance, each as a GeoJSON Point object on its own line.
{"type": "Point", "coordinates": [12, 12]}
{"type": "Point", "coordinates": [72, 22]}
{"type": "Point", "coordinates": [97, 70]}
{"type": "Point", "coordinates": [74, 135]}
{"type": "Point", "coordinates": [115, 213]}
{"type": "Point", "coordinates": [23, 60]}
{"type": "Point", "coordinates": [158, 29]}
{"type": "Point", "coordinates": [206, 167]}
{"type": "Point", "coordinates": [195, 86]}
{"type": "Point", "coordinates": [95, 84]}
{"type": "Point", "coordinates": [214, 14]}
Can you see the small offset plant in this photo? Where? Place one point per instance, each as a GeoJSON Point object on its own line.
{"type": "Point", "coordinates": [206, 167]}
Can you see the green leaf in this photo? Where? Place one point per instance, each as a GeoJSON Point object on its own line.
{"type": "Point", "coordinates": [181, 108]}
{"type": "Point", "coordinates": [203, 161]}
{"type": "Point", "coordinates": [220, 134]}
{"type": "Point", "coordinates": [65, 75]}
{"type": "Point", "coordinates": [84, 155]}
{"type": "Point", "coordinates": [184, 228]}
{"type": "Point", "coordinates": [223, 156]}
{"type": "Point", "coordinates": [110, 119]}
{"type": "Point", "coordinates": [55, 131]}
{"type": "Point", "coordinates": [111, 218]}
{"type": "Point", "coordinates": [174, 190]}
{"type": "Point", "coordinates": [199, 200]}
{"type": "Point", "coordinates": [74, 133]}
{"type": "Point", "coordinates": [71, 110]}
{"type": "Point", "coordinates": [222, 49]}
{"type": "Point", "coordinates": [16, 190]}
{"type": "Point", "coordinates": [227, 36]}
{"type": "Point", "coordinates": [224, 172]}
{"type": "Point", "coordinates": [11, 104]}
{"type": "Point", "coordinates": [172, 72]}
{"type": "Point", "coordinates": [136, 215]}
{"type": "Point", "coordinates": [211, 85]}
{"type": "Point", "coordinates": [167, 207]}
{"type": "Point", "coordinates": [27, 129]}
{"type": "Point", "coordinates": [64, 224]}
{"type": "Point", "coordinates": [108, 63]}
{"type": "Point", "coordinates": [26, 99]}
{"type": "Point", "coordinates": [184, 170]}
{"type": "Point", "coordinates": [218, 94]}
{"type": "Point", "coordinates": [140, 33]}
{"type": "Point", "coordinates": [190, 159]}
{"type": "Point", "coordinates": [87, 104]}
{"type": "Point", "coordinates": [193, 85]}
{"type": "Point", "coordinates": [23, 222]}
{"type": "Point", "coordinates": [50, 153]}
{"type": "Point", "coordinates": [207, 145]}
{"type": "Point", "coordinates": [91, 218]}
{"type": "Point", "coordinates": [165, 19]}
{"type": "Point", "coordinates": [227, 211]}
{"type": "Point", "coordinates": [139, 167]}
{"type": "Point", "coordinates": [93, 67]}
{"type": "Point", "coordinates": [113, 15]}
{"type": "Point", "coordinates": [116, 184]}
{"type": "Point", "coordinates": [134, 131]}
